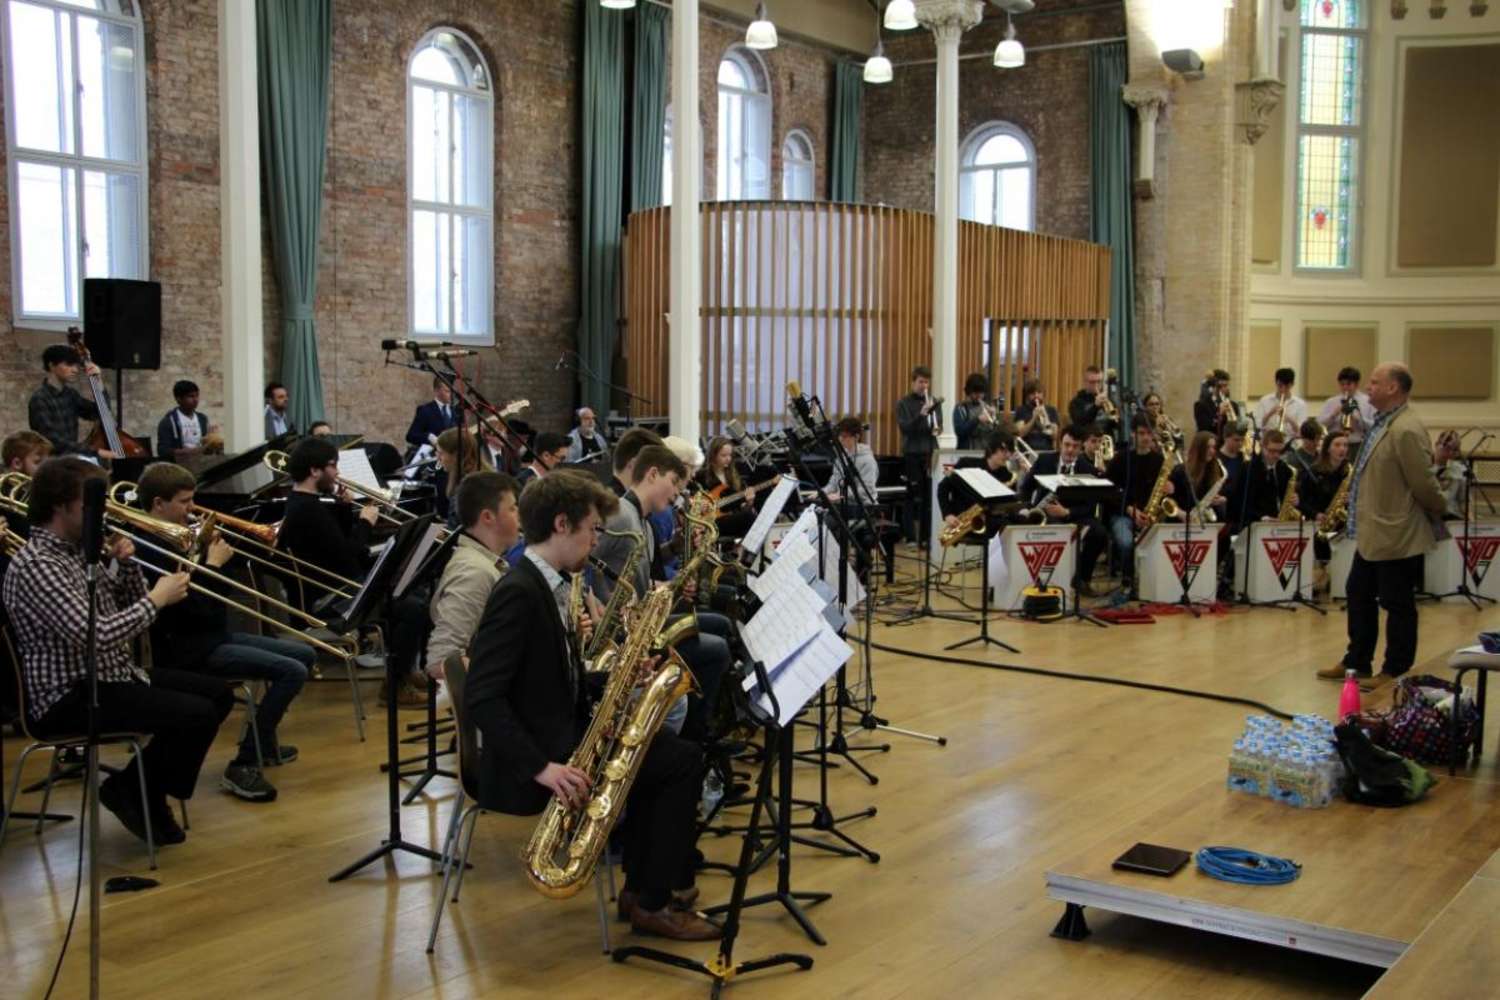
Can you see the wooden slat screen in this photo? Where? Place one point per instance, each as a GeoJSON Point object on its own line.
{"type": "Point", "coordinates": [839, 298]}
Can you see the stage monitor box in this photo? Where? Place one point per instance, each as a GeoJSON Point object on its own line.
{"type": "Point", "coordinates": [122, 322]}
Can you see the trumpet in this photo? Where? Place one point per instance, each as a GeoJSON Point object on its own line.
{"type": "Point", "coordinates": [1107, 405]}
{"type": "Point", "coordinates": [385, 500]}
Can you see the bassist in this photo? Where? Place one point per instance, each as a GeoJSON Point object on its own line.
{"type": "Point", "coordinates": [55, 406]}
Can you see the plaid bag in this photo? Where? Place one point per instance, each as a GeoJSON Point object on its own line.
{"type": "Point", "coordinates": [1417, 728]}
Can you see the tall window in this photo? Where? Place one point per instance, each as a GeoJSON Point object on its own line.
{"type": "Point", "coordinates": [666, 157]}
{"type": "Point", "coordinates": [75, 100]}
{"type": "Point", "coordinates": [798, 172]}
{"type": "Point", "coordinates": [997, 177]}
{"type": "Point", "coordinates": [451, 189]}
{"type": "Point", "coordinates": [744, 129]}
{"type": "Point", "coordinates": [1329, 128]}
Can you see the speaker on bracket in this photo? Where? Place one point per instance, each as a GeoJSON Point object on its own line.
{"type": "Point", "coordinates": [122, 322]}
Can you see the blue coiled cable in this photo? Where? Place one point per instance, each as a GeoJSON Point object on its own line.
{"type": "Point", "coordinates": [1235, 864]}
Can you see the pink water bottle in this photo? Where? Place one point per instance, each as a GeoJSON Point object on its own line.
{"type": "Point", "coordinates": [1349, 696]}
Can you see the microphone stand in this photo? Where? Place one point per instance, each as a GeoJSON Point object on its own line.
{"type": "Point", "coordinates": [577, 365]}
{"type": "Point", "coordinates": [91, 781]}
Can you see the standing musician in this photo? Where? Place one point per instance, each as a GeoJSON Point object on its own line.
{"type": "Point", "coordinates": [528, 697]}
{"type": "Point", "coordinates": [278, 420]}
{"type": "Point", "coordinates": [1068, 460]}
{"type": "Point", "coordinates": [1214, 408]}
{"type": "Point", "coordinates": [920, 419]}
{"type": "Point", "coordinates": [194, 635]}
{"type": "Point", "coordinates": [184, 430]}
{"type": "Point", "coordinates": [1091, 404]}
{"type": "Point", "coordinates": [1135, 472]}
{"type": "Point", "coordinates": [721, 478]}
{"type": "Point", "coordinates": [1350, 410]}
{"type": "Point", "coordinates": [1305, 453]}
{"type": "Point", "coordinates": [585, 439]}
{"type": "Point", "coordinates": [548, 450]}
{"type": "Point", "coordinates": [1195, 477]}
{"type": "Point", "coordinates": [1268, 477]}
{"type": "Point", "coordinates": [1036, 421]}
{"type": "Point", "coordinates": [1282, 410]}
{"type": "Point", "coordinates": [623, 460]}
{"type": "Point", "coordinates": [999, 446]}
{"type": "Point", "coordinates": [974, 419]}
{"type": "Point", "coordinates": [45, 595]}
{"type": "Point", "coordinates": [1093, 442]}
{"type": "Point", "coordinates": [55, 406]}
{"type": "Point", "coordinates": [432, 417]}
{"type": "Point", "coordinates": [1315, 491]}
{"type": "Point", "coordinates": [1451, 475]}
{"type": "Point", "coordinates": [1394, 507]}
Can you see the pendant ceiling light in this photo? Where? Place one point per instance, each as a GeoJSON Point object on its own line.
{"type": "Point", "coordinates": [1010, 54]}
{"type": "Point", "coordinates": [762, 33]}
{"type": "Point", "coordinates": [617, 4]}
{"type": "Point", "coordinates": [900, 15]}
{"type": "Point", "coordinates": [878, 67]}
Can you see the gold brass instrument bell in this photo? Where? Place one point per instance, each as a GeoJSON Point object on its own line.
{"type": "Point", "coordinates": [385, 500]}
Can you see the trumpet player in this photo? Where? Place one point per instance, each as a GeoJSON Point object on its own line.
{"type": "Point", "coordinates": [44, 593]}
{"type": "Point", "coordinates": [1282, 410]}
{"type": "Point", "coordinates": [974, 418]}
{"type": "Point", "coordinates": [920, 419]}
{"type": "Point", "coordinates": [1167, 430]}
{"type": "Point", "coordinates": [194, 635]}
{"type": "Point", "coordinates": [527, 695]}
{"type": "Point", "coordinates": [1092, 404]}
{"type": "Point", "coordinates": [1036, 420]}
{"type": "Point", "coordinates": [1215, 409]}
{"type": "Point", "coordinates": [1349, 411]}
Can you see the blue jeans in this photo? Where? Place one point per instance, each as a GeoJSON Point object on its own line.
{"type": "Point", "coordinates": [1122, 530]}
{"type": "Point", "coordinates": [282, 663]}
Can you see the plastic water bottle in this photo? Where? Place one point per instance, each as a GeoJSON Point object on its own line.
{"type": "Point", "coordinates": [1349, 696]}
{"type": "Point", "coordinates": [1240, 778]}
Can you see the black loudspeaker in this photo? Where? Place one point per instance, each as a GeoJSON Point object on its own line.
{"type": "Point", "coordinates": [122, 322]}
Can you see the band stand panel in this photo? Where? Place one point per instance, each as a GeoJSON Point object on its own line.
{"type": "Point", "coordinates": [1341, 560]}
{"type": "Point", "coordinates": [1171, 552]}
{"type": "Point", "coordinates": [1280, 560]}
{"type": "Point", "coordinates": [1473, 560]}
{"type": "Point", "coordinates": [1042, 555]}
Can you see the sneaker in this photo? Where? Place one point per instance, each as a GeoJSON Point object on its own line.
{"type": "Point", "coordinates": [281, 753]}
{"type": "Point", "coordinates": [246, 781]}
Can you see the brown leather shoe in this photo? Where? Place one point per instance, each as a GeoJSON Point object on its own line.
{"type": "Point", "coordinates": [670, 922]}
{"type": "Point", "coordinates": [1336, 673]}
{"type": "Point", "coordinates": [1376, 681]}
{"type": "Point", "coordinates": [681, 900]}
{"type": "Point", "coordinates": [406, 696]}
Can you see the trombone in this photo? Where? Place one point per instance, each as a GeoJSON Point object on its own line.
{"type": "Point", "coordinates": [385, 500]}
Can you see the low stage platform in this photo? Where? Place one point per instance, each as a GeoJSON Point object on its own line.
{"type": "Point", "coordinates": [1372, 879]}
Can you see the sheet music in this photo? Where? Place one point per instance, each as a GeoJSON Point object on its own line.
{"type": "Point", "coordinates": [414, 467]}
{"type": "Point", "coordinates": [794, 553]}
{"type": "Point", "coordinates": [1053, 483]}
{"type": "Point", "coordinates": [424, 548]}
{"type": "Point", "coordinates": [831, 563]}
{"type": "Point", "coordinates": [805, 674]}
{"type": "Point", "coordinates": [354, 465]}
{"type": "Point", "coordinates": [806, 524]}
{"type": "Point", "coordinates": [756, 536]}
{"type": "Point", "coordinates": [783, 625]}
{"type": "Point", "coordinates": [984, 484]}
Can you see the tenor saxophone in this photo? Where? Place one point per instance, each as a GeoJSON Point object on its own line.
{"type": "Point", "coordinates": [1159, 505]}
{"type": "Point", "coordinates": [1289, 511]}
{"type": "Point", "coordinates": [566, 845]}
{"type": "Point", "coordinates": [1336, 517]}
{"type": "Point", "coordinates": [624, 593]}
{"type": "Point", "coordinates": [969, 521]}
{"type": "Point", "coordinates": [700, 536]}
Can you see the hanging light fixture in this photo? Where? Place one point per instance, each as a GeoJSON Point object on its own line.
{"type": "Point", "coordinates": [900, 15]}
{"type": "Point", "coordinates": [1010, 54]}
{"type": "Point", "coordinates": [762, 33]}
{"type": "Point", "coordinates": [878, 67]}
{"type": "Point", "coordinates": [617, 4]}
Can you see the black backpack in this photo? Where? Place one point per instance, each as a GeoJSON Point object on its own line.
{"type": "Point", "coordinates": [1375, 776]}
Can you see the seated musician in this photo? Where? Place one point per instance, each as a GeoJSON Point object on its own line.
{"type": "Point", "coordinates": [319, 428]}
{"type": "Point", "coordinates": [1195, 478]}
{"type": "Point", "coordinates": [1135, 471]}
{"type": "Point", "coordinates": [1451, 475]}
{"type": "Point", "coordinates": [1268, 476]}
{"type": "Point", "coordinates": [1093, 442]}
{"type": "Point", "coordinates": [973, 418]}
{"type": "Point", "coordinates": [333, 536]}
{"type": "Point", "coordinates": [720, 477]}
{"type": "Point", "coordinates": [952, 497]}
{"type": "Point", "coordinates": [1303, 454]}
{"type": "Point", "coordinates": [527, 696]}
{"type": "Point", "coordinates": [194, 635]}
{"type": "Point", "coordinates": [448, 446]}
{"type": "Point", "coordinates": [45, 596]}
{"type": "Point", "coordinates": [623, 460]}
{"type": "Point", "coordinates": [183, 430]}
{"type": "Point", "coordinates": [851, 431]}
{"type": "Point", "coordinates": [1167, 432]}
{"type": "Point", "coordinates": [1068, 460]}
{"type": "Point", "coordinates": [1316, 490]}
{"type": "Point", "coordinates": [1036, 421]}
{"type": "Point", "coordinates": [55, 406]}
{"type": "Point", "coordinates": [585, 439]}
{"type": "Point", "coordinates": [23, 452]}
{"type": "Point", "coordinates": [659, 475]}
{"type": "Point", "coordinates": [548, 450]}
{"type": "Point", "coordinates": [1232, 456]}
{"type": "Point", "coordinates": [486, 503]}
{"type": "Point", "coordinates": [278, 418]}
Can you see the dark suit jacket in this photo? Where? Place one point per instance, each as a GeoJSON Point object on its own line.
{"type": "Point", "coordinates": [518, 695]}
{"type": "Point", "coordinates": [953, 496]}
{"type": "Point", "coordinates": [169, 433]}
{"type": "Point", "coordinates": [429, 420]}
{"type": "Point", "coordinates": [1047, 465]}
{"type": "Point", "coordinates": [1266, 488]}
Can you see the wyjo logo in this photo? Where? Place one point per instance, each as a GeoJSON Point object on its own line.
{"type": "Point", "coordinates": [1478, 554]}
{"type": "Point", "coordinates": [1285, 555]}
{"type": "Point", "coordinates": [1041, 559]}
{"type": "Point", "coordinates": [1187, 558]}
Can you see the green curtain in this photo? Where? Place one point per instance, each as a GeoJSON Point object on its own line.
{"type": "Point", "coordinates": [843, 159]}
{"type": "Point", "coordinates": [1112, 209]}
{"type": "Point", "coordinates": [648, 105]}
{"type": "Point", "coordinates": [294, 53]}
{"type": "Point", "coordinates": [603, 151]}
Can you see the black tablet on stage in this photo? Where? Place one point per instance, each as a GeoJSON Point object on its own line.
{"type": "Point", "coordinates": [1152, 859]}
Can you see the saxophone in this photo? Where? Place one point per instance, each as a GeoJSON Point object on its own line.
{"type": "Point", "coordinates": [1289, 511]}
{"type": "Point", "coordinates": [1203, 512]}
{"type": "Point", "coordinates": [1159, 505]}
{"type": "Point", "coordinates": [1336, 517]}
{"type": "Point", "coordinates": [624, 593]}
{"type": "Point", "coordinates": [566, 845]}
{"type": "Point", "coordinates": [697, 517]}
{"type": "Point", "coordinates": [969, 521]}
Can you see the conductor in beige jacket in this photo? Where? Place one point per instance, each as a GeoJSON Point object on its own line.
{"type": "Point", "coordinates": [1395, 510]}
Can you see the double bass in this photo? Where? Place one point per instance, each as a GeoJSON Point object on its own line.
{"type": "Point", "coordinates": [105, 434]}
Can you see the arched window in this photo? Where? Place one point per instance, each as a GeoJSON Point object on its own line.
{"type": "Point", "coordinates": [997, 177]}
{"type": "Point", "coordinates": [798, 171]}
{"type": "Point", "coordinates": [450, 187]}
{"type": "Point", "coordinates": [744, 128]}
{"type": "Point", "coordinates": [75, 103]}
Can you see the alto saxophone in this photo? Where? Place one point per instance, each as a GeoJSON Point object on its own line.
{"type": "Point", "coordinates": [1336, 517]}
{"type": "Point", "coordinates": [968, 522]}
{"type": "Point", "coordinates": [700, 536]}
{"type": "Point", "coordinates": [566, 845]}
{"type": "Point", "coordinates": [1289, 511]}
{"type": "Point", "coordinates": [624, 593]}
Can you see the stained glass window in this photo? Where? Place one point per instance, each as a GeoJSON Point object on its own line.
{"type": "Point", "coordinates": [1330, 122]}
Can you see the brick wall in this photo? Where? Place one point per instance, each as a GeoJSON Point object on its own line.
{"type": "Point", "coordinates": [1048, 99]}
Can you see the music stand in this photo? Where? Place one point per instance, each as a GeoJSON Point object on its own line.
{"type": "Point", "coordinates": [994, 497]}
{"type": "Point", "coordinates": [1072, 491]}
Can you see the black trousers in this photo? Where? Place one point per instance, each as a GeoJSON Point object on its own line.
{"type": "Point", "coordinates": [180, 709]}
{"type": "Point", "coordinates": [915, 514]}
{"type": "Point", "coordinates": [1092, 542]}
{"type": "Point", "coordinates": [661, 819]}
{"type": "Point", "coordinates": [1390, 584]}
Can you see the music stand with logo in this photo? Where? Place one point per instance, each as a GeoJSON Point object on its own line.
{"type": "Point", "coordinates": [978, 488]}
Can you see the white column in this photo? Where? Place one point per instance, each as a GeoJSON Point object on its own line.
{"type": "Point", "coordinates": [239, 231]}
{"type": "Point", "coordinates": [948, 20]}
{"type": "Point", "coordinates": [1148, 102]}
{"type": "Point", "coordinates": [685, 341]}
{"type": "Point", "coordinates": [1266, 39]}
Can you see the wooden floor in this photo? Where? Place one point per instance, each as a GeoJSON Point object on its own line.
{"type": "Point", "coordinates": [1035, 771]}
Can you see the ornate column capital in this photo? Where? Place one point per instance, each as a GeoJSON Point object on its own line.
{"type": "Point", "coordinates": [1256, 100]}
{"type": "Point", "coordinates": [1148, 99]}
{"type": "Point", "coordinates": [949, 19]}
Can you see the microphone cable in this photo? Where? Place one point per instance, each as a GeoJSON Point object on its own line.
{"type": "Point", "coordinates": [1242, 867]}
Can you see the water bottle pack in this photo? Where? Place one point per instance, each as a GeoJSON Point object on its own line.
{"type": "Point", "coordinates": [1294, 764]}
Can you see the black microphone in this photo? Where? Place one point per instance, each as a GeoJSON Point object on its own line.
{"type": "Point", "coordinates": [92, 539]}
{"type": "Point", "coordinates": [413, 345]}
{"type": "Point", "coordinates": [562, 362]}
